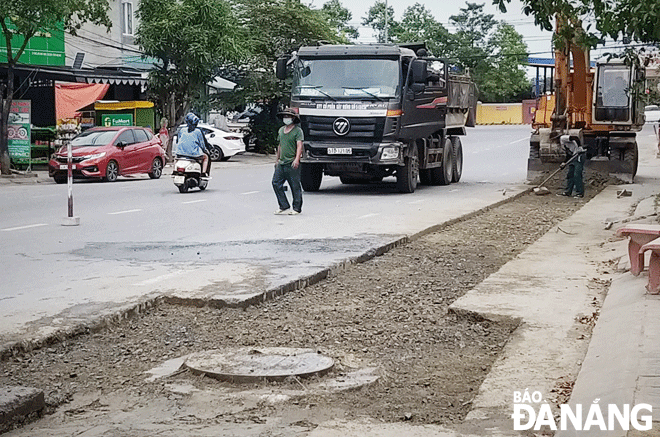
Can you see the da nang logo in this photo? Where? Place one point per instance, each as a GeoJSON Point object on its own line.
{"type": "Point", "coordinates": [530, 411]}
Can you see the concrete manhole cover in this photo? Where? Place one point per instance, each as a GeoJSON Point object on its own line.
{"type": "Point", "coordinates": [254, 364]}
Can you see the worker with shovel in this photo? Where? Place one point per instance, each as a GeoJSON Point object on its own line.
{"type": "Point", "coordinates": [575, 159]}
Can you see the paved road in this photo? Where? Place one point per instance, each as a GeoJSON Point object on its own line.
{"type": "Point", "coordinates": [139, 237]}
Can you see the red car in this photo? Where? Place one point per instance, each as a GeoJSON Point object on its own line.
{"type": "Point", "coordinates": [108, 152]}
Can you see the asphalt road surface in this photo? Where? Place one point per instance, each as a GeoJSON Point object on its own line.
{"type": "Point", "coordinates": [139, 237]}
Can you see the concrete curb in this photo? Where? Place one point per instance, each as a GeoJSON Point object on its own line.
{"type": "Point", "coordinates": [16, 403]}
{"type": "Point", "coordinates": [10, 349]}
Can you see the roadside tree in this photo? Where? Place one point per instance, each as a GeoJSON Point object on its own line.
{"type": "Point", "coordinates": [472, 41]}
{"type": "Point", "coordinates": [339, 17]}
{"type": "Point", "coordinates": [506, 79]}
{"type": "Point", "coordinates": [419, 25]}
{"type": "Point", "coordinates": [376, 20]}
{"type": "Point", "coordinates": [492, 52]}
{"type": "Point", "coordinates": [20, 21]}
{"type": "Point", "coordinates": [272, 28]}
{"type": "Point", "coordinates": [636, 19]}
{"type": "Point", "coordinates": [189, 39]}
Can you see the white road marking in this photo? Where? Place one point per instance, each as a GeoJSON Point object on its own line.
{"type": "Point", "coordinates": [414, 202]}
{"type": "Point", "coordinates": [454, 190]}
{"type": "Point", "coordinates": [520, 140]}
{"type": "Point", "coordinates": [369, 215]}
{"type": "Point", "coordinates": [124, 212]}
{"type": "Point", "coordinates": [296, 237]}
{"type": "Point", "coordinates": [193, 201]}
{"type": "Point", "coordinates": [250, 192]}
{"type": "Point", "coordinates": [18, 228]}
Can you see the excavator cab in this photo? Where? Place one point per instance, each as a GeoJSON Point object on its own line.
{"type": "Point", "coordinates": [616, 96]}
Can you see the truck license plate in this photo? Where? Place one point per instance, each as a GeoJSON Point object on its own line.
{"type": "Point", "coordinates": [340, 151]}
{"type": "Point", "coordinates": [65, 167]}
{"type": "Point", "coordinates": [179, 179]}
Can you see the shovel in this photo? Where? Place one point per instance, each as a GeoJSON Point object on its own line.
{"type": "Point", "coordinates": [540, 190]}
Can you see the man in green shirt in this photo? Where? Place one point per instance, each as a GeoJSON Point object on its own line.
{"type": "Point", "coordinates": [289, 151]}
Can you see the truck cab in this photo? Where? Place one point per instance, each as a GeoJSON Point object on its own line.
{"type": "Point", "coordinates": [364, 108]}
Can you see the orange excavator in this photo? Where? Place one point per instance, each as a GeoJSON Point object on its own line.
{"type": "Point", "coordinates": [602, 106]}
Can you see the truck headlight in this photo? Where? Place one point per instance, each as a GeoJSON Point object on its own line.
{"type": "Point", "coordinates": [389, 153]}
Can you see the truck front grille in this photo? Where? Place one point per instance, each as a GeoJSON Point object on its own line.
{"type": "Point", "coordinates": [363, 129]}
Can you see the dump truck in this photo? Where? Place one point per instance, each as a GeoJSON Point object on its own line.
{"type": "Point", "coordinates": [602, 106]}
{"type": "Point", "coordinates": [369, 111]}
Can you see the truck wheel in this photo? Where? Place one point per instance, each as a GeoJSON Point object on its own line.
{"type": "Point", "coordinates": [443, 175]}
{"type": "Point", "coordinates": [406, 176]}
{"type": "Point", "coordinates": [311, 176]}
{"type": "Point", "coordinates": [457, 159]}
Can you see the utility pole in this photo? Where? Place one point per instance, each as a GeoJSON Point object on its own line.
{"type": "Point", "coordinates": [386, 38]}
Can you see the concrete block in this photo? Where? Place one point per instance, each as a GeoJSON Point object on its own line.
{"type": "Point", "coordinates": [18, 402]}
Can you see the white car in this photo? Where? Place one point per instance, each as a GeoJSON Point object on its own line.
{"type": "Point", "coordinates": [652, 113]}
{"type": "Point", "coordinates": [223, 144]}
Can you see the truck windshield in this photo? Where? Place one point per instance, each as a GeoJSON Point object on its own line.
{"type": "Point", "coordinates": [346, 78]}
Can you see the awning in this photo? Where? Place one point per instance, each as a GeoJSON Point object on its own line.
{"type": "Point", "coordinates": [71, 96]}
{"type": "Point", "coordinates": [115, 80]}
{"type": "Point", "coordinates": [116, 105]}
{"type": "Point", "coordinates": [80, 75]}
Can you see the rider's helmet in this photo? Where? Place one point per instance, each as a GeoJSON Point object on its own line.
{"type": "Point", "coordinates": [191, 120]}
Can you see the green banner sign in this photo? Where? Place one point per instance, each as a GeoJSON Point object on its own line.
{"type": "Point", "coordinates": [18, 131]}
{"type": "Point", "coordinates": [45, 48]}
{"type": "Point", "coordinates": [108, 120]}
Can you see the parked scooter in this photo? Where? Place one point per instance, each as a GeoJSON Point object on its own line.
{"type": "Point", "coordinates": [187, 173]}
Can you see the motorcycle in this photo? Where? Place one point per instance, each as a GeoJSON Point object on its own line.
{"type": "Point", "coordinates": [187, 173]}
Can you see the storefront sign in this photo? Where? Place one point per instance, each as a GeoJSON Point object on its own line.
{"type": "Point", "coordinates": [18, 130]}
{"type": "Point", "coordinates": [109, 120]}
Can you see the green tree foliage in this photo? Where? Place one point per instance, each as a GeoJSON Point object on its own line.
{"type": "Point", "coordinates": [272, 28]}
{"type": "Point", "coordinates": [472, 41]}
{"type": "Point", "coordinates": [20, 21]}
{"type": "Point", "coordinates": [376, 20]}
{"type": "Point", "coordinates": [339, 17]}
{"type": "Point", "coordinates": [493, 53]}
{"type": "Point", "coordinates": [505, 79]}
{"type": "Point", "coordinates": [190, 39]}
{"type": "Point", "coordinates": [637, 19]}
{"type": "Point", "coordinates": [419, 25]}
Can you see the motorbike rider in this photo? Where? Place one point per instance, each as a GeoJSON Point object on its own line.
{"type": "Point", "coordinates": [192, 142]}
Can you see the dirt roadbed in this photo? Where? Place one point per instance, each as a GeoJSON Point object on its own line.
{"type": "Point", "coordinates": [389, 314]}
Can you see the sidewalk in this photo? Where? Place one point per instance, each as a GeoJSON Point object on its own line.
{"type": "Point", "coordinates": [33, 177]}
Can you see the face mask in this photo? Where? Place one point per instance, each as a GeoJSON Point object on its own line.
{"type": "Point", "coordinates": [287, 121]}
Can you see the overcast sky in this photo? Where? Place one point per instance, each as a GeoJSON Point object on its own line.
{"type": "Point", "coordinates": [538, 41]}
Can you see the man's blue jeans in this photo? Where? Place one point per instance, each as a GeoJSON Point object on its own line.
{"type": "Point", "coordinates": [284, 172]}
